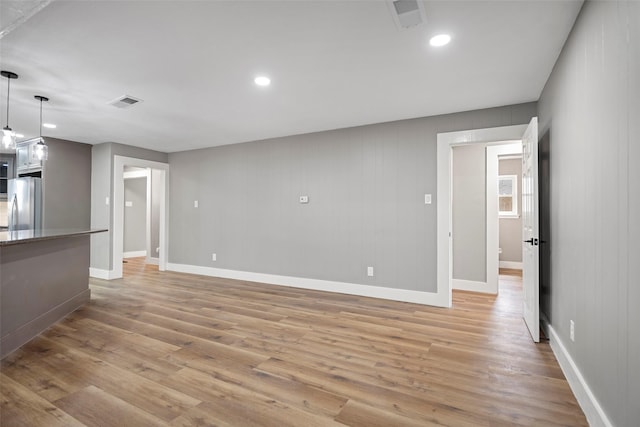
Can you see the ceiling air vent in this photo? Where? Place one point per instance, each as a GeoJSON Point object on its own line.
{"type": "Point", "coordinates": [407, 13]}
{"type": "Point", "coordinates": [125, 101]}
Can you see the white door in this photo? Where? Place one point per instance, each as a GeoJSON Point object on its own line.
{"type": "Point", "coordinates": [530, 237]}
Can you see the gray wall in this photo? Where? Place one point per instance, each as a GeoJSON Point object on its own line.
{"type": "Point", "coordinates": [67, 185]}
{"type": "Point", "coordinates": [100, 211]}
{"type": "Point", "coordinates": [511, 228]}
{"type": "Point", "coordinates": [135, 216]}
{"type": "Point", "coordinates": [469, 213]}
{"type": "Point", "coordinates": [155, 214]}
{"type": "Point", "coordinates": [590, 108]}
{"type": "Point", "coordinates": [366, 187]}
{"type": "Point", "coordinates": [101, 188]}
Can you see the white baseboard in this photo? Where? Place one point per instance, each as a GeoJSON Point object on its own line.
{"type": "Point", "coordinates": [470, 285]}
{"type": "Point", "coordinates": [134, 254]}
{"type": "Point", "coordinates": [588, 402]}
{"type": "Point", "coordinates": [511, 264]}
{"type": "Point", "coordinates": [418, 297]}
{"type": "Point", "coordinates": [153, 261]}
{"type": "Point", "coordinates": [99, 273]}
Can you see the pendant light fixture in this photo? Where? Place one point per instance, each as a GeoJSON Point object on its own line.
{"type": "Point", "coordinates": [8, 136]}
{"type": "Point", "coordinates": [41, 150]}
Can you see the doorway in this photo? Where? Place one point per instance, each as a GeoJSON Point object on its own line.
{"type": "Point", "coordinates": [446, 142]}
{"type": "Point", "coordinates": [529, 137]}
{"type": "Point", "coordinates": [141, 214]}
{"type": "Point", "coordinates": [475, 214]}
{"type": "Point", "coordinates": [158, 173]}
{"type": "Point", "coordinates": [503, 236]}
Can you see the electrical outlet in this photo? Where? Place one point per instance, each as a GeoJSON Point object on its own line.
{"type": "Point", "coordinates": [304, 199]}
{"type": "Point", "coordinates": [370, 271]}
{"type": "Point", "coordinates": [214, 257]}
{"type": "Point", "coordinates": [572, 331]}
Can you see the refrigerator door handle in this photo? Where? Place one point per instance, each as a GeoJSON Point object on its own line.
{"type": "Point", "coordinates": [13, 213]}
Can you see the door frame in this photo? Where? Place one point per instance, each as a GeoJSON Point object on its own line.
{"type": "Point", "coordinates": [445, 143]}
{"type": "Point", "coordinates": [119, 162]}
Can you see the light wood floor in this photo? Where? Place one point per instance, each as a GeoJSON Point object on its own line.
{"type": "Point", "coordinates": [183, 350]}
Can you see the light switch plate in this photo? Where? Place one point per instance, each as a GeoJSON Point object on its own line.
{"type": "Point", "coordinates": [427, 199]}
{"type": "Point", "coordinates": [195, 203]}
{"type": "Point", "coordinates": [304, 199]}
{"type": "Point", "coordinates": [128, 203]}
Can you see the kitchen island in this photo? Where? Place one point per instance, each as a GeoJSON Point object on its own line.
{"type": "Point", "coordinates": [44, 275]}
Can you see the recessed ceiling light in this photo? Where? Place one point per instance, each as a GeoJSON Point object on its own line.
{"type": "Point", "coordinates": [262, 81]}
{"type": "Point", "coordinates": [49, 125]}
{"type": "Point", "coordinates": [440, 40]}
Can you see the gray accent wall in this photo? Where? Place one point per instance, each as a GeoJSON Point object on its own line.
{"type": "Point", "coordinates": [101, 188]}
{"type": "Point", "coordinates": [155, 214]}
{"type": "Point", "coordinates": [510, 229]}
{"type": "Point", "coordinates": [100, 211]}
{"type": "Point", "coordinates": [67, 185]}
{"type": "Point", "coordinates": [366, 188]}
{"type": "Point", "coordinates": [469, 213]}
{"type": "Point", "coordinates": [135, 214]}
{"type": "Point", "coordinates": [590, 109]}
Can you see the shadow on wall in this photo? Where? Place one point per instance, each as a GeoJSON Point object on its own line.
{"type": "Point", "coordinates": [545, 224]}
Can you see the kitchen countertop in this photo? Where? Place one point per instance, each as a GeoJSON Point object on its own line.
{"type": "Point", "coordinates": [8, 238]}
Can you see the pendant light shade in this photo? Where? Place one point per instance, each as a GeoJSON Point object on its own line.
{"type": "Point", "coordinates": [41, 150]}
{"type": "Point", "coordinates": [8, 135]}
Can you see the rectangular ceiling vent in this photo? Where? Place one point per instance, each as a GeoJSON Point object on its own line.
{"type": "Point", "coordinates": [125, 101]}
{"type": "Point", "coordinates": [407, 13]}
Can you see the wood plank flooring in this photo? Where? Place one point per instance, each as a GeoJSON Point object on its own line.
{"type": "Point", "coordinates": [170, 349]}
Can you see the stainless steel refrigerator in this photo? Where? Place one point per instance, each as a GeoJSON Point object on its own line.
{"type": "Point", "coordinates": [24, 203]}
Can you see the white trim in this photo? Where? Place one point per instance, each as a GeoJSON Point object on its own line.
{"type": "Point", "coordinates": [585, 397]}
{"type": "Point", "coordinates": [511, 264]}
{"type": "Point", "coordinates": [418, 297]}
{"type": "Point", "coordinates": [506, 216]}
{"type": "Point", "coordinates": [134, 254]}
{"type": "Point", "coordinates": [99, 273]}
{"type": "Point", "coordinates": [119, 163]}
{"type": "Point", "coordinates": [511, 157]}
{"type": "Point", "coordinates": [446, 141]}
{"type": "Point", "coordinates": [136, 174]}
{"type": "Point", "coordinates": [513, 213]}
{"type": "Point", "coordinates": [471, 285]}
{"type": "Point", "coordinates": [153, 261]}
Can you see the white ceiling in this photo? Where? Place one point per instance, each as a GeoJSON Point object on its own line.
{"type": "Point", "coordinates": [333, 64]}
